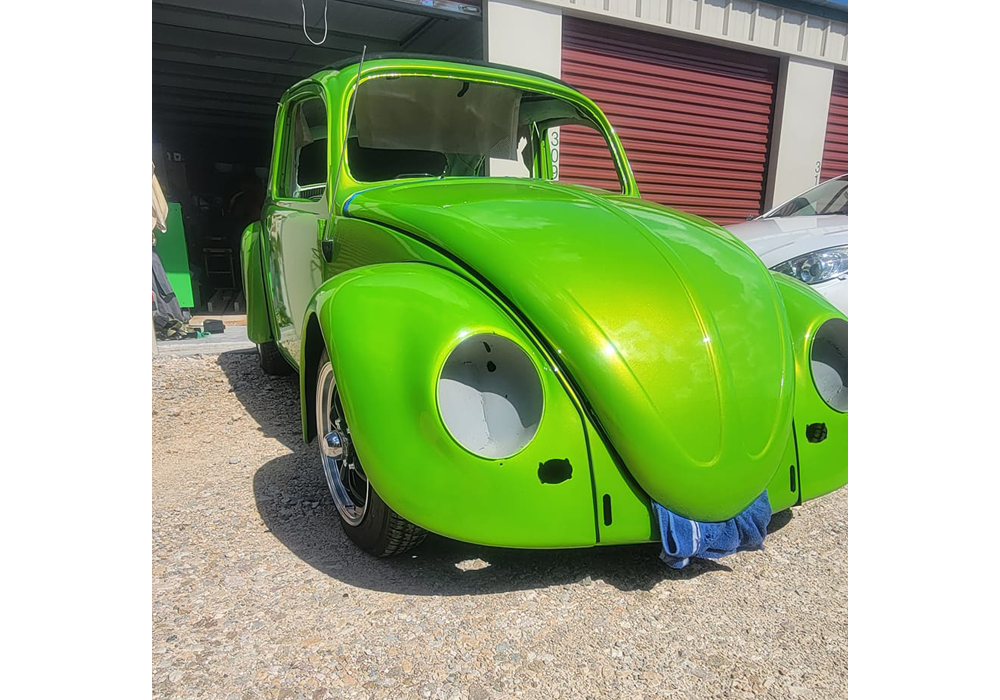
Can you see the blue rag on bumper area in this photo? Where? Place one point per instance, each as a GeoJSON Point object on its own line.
{"type": "Point", "coordinates": [684, 538]}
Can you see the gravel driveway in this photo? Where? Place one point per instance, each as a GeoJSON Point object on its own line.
{"type": "Point", "coordinates": [258, 594]}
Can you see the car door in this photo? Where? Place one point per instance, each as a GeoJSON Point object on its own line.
{"type": "Point", "coordinates": [295, 213]}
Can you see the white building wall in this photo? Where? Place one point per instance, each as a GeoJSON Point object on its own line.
{"type": "Point", "coordinates": [754, 25]}
{"type": "Point", "coordinates": [800, 112]}
{"type": "Point", "coordinates": [528, 34]}
{"type": "Point", "coordinates": [524, 35]}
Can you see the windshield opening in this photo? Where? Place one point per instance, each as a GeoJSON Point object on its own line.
{"type": "Point", "coordinates": [827, 198]}
{"type": "Point", "coordinates": [424, 126]}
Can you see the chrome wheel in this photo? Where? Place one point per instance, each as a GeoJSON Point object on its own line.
{"type": "Point", "coordinates": [344, 475]}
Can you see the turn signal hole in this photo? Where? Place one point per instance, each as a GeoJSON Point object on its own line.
{"type": "Point", "coordinates": [554, 471]}
{"type": "Point", "coordinates": [816, 432]}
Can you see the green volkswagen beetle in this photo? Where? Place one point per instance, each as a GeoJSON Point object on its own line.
{"type": "Point", "coordinates": [493, 355]}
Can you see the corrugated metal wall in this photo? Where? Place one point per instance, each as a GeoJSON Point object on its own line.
{"type": "Point", "coordinates": [695, 119]}
{"type": "Point", "coordinates": [835, 147]}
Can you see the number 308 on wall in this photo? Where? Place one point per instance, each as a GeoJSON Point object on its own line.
{"type": "Point", "coordinates": [554, 151]}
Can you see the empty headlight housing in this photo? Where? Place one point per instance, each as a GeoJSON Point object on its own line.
{"type": "Point", "coordinates": [818, 266]}
{"type": "Point", "coordinates": [829, 363]}
{"type": "Point", "coordinates": [490, 396]}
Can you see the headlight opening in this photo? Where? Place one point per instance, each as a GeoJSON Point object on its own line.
{"type": "Point", "coordinates": [829, 363]}
{"type": "Point", "coordinates": [489, 395]}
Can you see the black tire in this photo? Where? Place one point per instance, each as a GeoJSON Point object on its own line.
{"type": "Point", "coordinates": [381, 531]}
{"type": "Point", "coordinates": [272, 361]}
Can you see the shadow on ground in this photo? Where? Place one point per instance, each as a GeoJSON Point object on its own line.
{"type": "Point", "coordinates": [293, 501]}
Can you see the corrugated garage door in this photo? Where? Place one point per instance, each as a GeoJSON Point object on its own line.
{"type": "Point", "coordinates": [835, 147]}
{"type": "Point", "coordinates": [695, 119]}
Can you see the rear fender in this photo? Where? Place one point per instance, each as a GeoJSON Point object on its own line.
{"type": "Point", "coordinates": [388, 329]}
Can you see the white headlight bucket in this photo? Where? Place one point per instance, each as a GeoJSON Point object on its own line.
{"type": "Point", "coordinates": [829, 363]}
{"type": "Point", "coordinates": [490, 396]}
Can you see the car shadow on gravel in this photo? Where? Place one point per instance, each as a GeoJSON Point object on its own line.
{"type": "Point", "coordinates": [295, 505]}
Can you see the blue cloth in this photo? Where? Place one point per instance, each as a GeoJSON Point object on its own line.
{"type": "Point", "coordinates": [684, 538]}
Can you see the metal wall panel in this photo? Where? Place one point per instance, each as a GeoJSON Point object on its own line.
{"type": "Point", "coordinates": [835, 147]}
{"type": "Point", "coordinates": [811, 31]}
{"type": "Point", "coordinates": [695, 119]}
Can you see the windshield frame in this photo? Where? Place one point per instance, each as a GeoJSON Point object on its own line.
{"type": "Point", "coordinates": [344, 84]}
{"type": "Point", "coordinates": [804, 195]}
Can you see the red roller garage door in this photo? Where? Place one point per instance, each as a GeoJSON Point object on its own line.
{"type": "Point", "coordinates": [695, 119]}
{"type": "Point", "coordinates": [835, 148]}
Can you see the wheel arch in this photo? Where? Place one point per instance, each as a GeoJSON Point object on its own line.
{"type": "Point", "coordinates": [388, 329]}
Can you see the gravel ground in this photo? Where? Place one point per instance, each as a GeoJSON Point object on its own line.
{"type": "Point", "coordinates": [257, 593]}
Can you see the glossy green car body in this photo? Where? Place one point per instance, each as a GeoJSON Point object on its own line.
{"type": "Point", "coordinates": [673, 364]}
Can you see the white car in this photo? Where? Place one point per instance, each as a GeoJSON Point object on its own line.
{"type": "Point", "coordinates": [806, 237]}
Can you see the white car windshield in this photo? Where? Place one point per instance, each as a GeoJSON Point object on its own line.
{"type": "Point", "coordinates": [827, 198]}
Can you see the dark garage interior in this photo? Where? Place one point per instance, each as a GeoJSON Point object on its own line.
{"type": "Point", "coordinates": [219, 68]}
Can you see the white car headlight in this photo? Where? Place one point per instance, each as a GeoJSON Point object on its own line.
{"type": "Point", "coordinates": [490, 396]}
{"type": "Point", "coordinates": [818, 266]}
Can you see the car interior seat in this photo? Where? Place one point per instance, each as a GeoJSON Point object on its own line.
{"type": "Point", "coordinates": [375, 164]}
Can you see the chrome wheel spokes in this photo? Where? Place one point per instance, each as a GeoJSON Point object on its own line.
{"type": "Point", "coordinates": [344, 475]}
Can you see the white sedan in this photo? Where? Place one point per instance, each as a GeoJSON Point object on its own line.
{"type": "Point", "coordinates": [806, 238]}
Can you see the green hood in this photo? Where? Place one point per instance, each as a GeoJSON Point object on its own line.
{"type": "Point", "coordinates": [672, 329]}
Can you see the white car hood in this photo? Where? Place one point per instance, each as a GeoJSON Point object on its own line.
{"type": "Point", "coordinates": [779, 239]}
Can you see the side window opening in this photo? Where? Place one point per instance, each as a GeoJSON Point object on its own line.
{"type": "Point", "coordinates": [306, 166]}
{"type": "Point", "coordinates": [591, 162]}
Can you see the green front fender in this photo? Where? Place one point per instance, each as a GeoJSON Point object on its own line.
{"type": "Point", "coordinates": [822, 465]}
{"type": "Point", "coordinates": [388, 329]}
{"type": "Point", "coordinates": [258, 324]}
